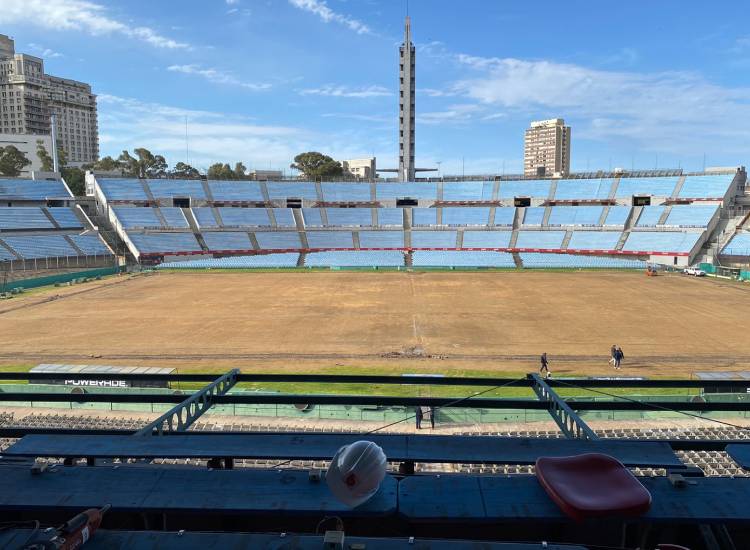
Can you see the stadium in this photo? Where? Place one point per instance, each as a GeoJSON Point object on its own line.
{"type": "Point", "coordinates": [210, 358]}
{"type": "Point", "coordinates": [239, 333]}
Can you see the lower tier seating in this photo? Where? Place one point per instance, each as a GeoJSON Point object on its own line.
{"type": "Point", "coordinates": [363, 258]}
{"type": "Point", "coordinates": [453, 258]}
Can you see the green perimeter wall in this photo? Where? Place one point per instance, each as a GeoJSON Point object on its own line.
{"type": "Point", "coordinates": [60, 278]}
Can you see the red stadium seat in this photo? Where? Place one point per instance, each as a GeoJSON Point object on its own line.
{"type": "Point", "coordinates": [592, 485]}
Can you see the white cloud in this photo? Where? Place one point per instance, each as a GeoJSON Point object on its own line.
{"type": "Point", "coordinates": [213, 137]}
{"type": "Point", "coordinates": [678, 112]}
{"type": "Point", "coordinates": [41, 51]}
{"type": "Point", "coordinates": [79, 15]}
{"type": "Point", "coordinates": [329, 90]}
{"type": "Point", "coordinates": [326, 14]}
{"type": "Point", "coordinates": [215, 75]}
{"type": "Point", "coordinates": [453, 114]}
{"type": "Point", "coordinates": [232, 2]}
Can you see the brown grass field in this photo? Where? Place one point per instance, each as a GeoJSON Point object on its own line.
{"type": "Point", "coordinates": [348, 322]}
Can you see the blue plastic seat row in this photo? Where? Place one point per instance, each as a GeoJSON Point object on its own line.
{"type": "Point", "coordinates": [38, 190]}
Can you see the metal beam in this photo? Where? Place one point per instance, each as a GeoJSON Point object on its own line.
{"type": "Point", "coordinates": [180, 417]}
{"type": "Point", "coordinates": [566, 418]}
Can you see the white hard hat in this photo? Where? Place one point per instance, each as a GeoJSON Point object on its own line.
{"type": "Point", "coordinates": [355, 472]}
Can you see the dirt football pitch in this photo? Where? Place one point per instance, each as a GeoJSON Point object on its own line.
{"type": "Point", "coordinates": [348, 322]}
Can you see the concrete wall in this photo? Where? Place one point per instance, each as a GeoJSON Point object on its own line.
{"type": "Point", "coordinates": [26, 143]}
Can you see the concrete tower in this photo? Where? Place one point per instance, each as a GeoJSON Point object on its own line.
{"type": "Point", "coordinates": [406, 107]}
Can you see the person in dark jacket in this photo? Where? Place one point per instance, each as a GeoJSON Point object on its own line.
{"type": "Point", "coordinates": [545, 364]}
{"type": "Point", "coordinates": [619, 356]}
{"type": "Point", "coordinates": [418, 416]}
{"type": "Point", "coordinates": [433, 413]}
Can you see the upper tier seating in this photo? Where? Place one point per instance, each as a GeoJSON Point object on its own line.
{"type": "Point", "coordinates": [455, 258]}
{"type": "Point", "coordinates": [738, 246]}
{"type": "Point", "coordinates": [346, 258]}
{"type": "Point", "coordinates": [467, 191]}
{"type": "Point", "coordinates": [278, 240]}
{"type": "Point", "coordinates": [38, 190]}
{"type": "Point", "coordinates": [617, 215]}
{"type": "Point", "coordinates": [690, 216]}
{"type": "Point", "coordinates": [91, 244]}
{"type": "Point", "coordinates": [549, 240]}
{"type": "Point", "coordinates": [284, 217]}
{"type": "Point", "coordinates": [381, 239]}
{"type": "Point", "coordinates": [284, 190]}
{"type": "Point", "coordinates": [330, 239]}
{"type": "Point", "coordinates": [575, 215]}
{"type": "Point", "coordinates": [349, 217]}
{"type": "Point", "coordinates": [346, 192]}
{"type": "Point", "coordinates": [457, 216]}
{"type": "Point", "coordinates": [205, 217]}
{"type": "Point", "coordinates": [702, 187]}
{"type": "Point", "coordinates": [244, 217]}
{"type": "Point", "coordinates": [390, 216]}
{"type": "Point", "coordinates": [236, 191]}
{"type": "Point", "coordinates": [486, 239]}
{"type": "Point", "coordinates": [527, 188]}
{"type": "Point", "coordinates": [583, 189]}
{"type": "Point", "coordinates": [593, 240]}
{"type": "Point", "coordinates": [122, 189]}
{"type": "Point", "coordinates": [542, 260]}
{"type": "Point", "coordinates": [285, 259]}
{"type": "Point", "coordinates": [312, 217]}
{"type": "Point", "coordinates": [504, 216]}
{"type": "Point", "coordinates": [167, 189]}
{"type": "Point", "coordinates": [227, 240]}
{"type": "Point", "coordinates": [136, 217]}
{"type": "Point", "coordinates": [661, 241]}
{"type": "Point", "coordinates": [174, 217]}
{"type": "Point", "coordinates": [424, 216]}
{"type": "Point", "coordinates": [25, 218]}
{"type": "Point", "coordinates": [391, 191]}
{"type": "Point", "coordinates": [534, 215]}
{"type": "Point", "coordinates": [650, 216]}
{"type": "Point", "coordinates": [655, 186]}
{"type": "Point", "coordinates": [65, 217]}
{"type": "Point", "coordinates": [6, 255]}
{"type": "Point", "coordinates": [165, 242]}
{"type": "Point", "coordinates": [433, 239]}
{"type": "Point", "coordinates": [41, 246]}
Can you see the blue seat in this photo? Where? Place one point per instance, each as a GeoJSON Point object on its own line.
{"type": "Point", "coordinates": [690, 216]}
{"type": "Point", "coordinates": [533, 260]}
{"type": "Point", "coordinates": [244, 217]}
{"type": "Point", "coordinates": [391, 217]}
{"type": "Point", "coordinates": [650, 216]}
{"type": "Point", "coordinates": [278, 240]}
{"type": "Point", "coordinates": [463, 191]}
{"type": "Point", "coordinates": [545, 240]}
{"type": "Point", "coordinates": [135, 217]}
{"type": "Point", "coordinates": [122, 189]}
{"type": "Point", "coordinates": [283, 190]}
{"type": "Point", "coordinates": [581, 189]}
{"type": "Point", "coordinates": [26, 218]}
{"type": "Point", "coordinates": [90, 244]}
{"type": "Point", "coordinates": [381, 239]}
{"type": "Point", "coordinates": [236, 191]}
{"type": "Point", "coordinates": [349, 217]}
{"type": "Point", "coordinates": [424, 216]}
{"type": "Point", "coordinates": [526, 188]}
{"type": "Point", "coordinates": [738, 246]}
{"type": "Point", "coordinates": [661, 241]}
{"type": "Point", "coordinates": [150, 243]}
{"type": "Point", "coordinates": [458, 216]}
{"type": "Point", "coordinates": [617, 215]}
{"type": "Point", "coordinates": [227, 240]}
{"type": "Point", "coordinates": [486, 239]}
{"type": "Point", "coordinates": [359, 258]}
{"type": "Point", "coordinates": [455, 258]}
{"type": "Point", "coordinates": [346, 192]}
{"type": "Point", "coordinates": [594, 240]}
{"type": "Point", "coordinates": [205, 217]}
{"type": "Point", "coordinates": [41, 246]}
{"type": "Point", "coordinates": [654, 186]}
{"type": "Point", "coordinates": [312, 217]}
{"type": "Point", "coordinates": [330, 239]}
{"type": "Point", "coordinates": [433, 239]}
{"type": "Point", "coordinates": [575, 215]}
{"type": "Point", "coordinates": [168, 189]}
{"type": "Point", "coordinates": [703, 187]}
{"type": "Point", "coordinates": [174, 217]}
{"type": "Point", "coordinates": [65, 217]}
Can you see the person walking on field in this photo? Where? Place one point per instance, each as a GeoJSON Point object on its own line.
{"type": "Point", "coordinates": [612, 352]}
{"type": "Point", "coordinates": [418, 416]}
{"type": "Point", "coordinates": [433, 412]}
{"type": "Point", "coordinates": [545, 365]}
{"type": "Point", "coordinates": [619, 356]}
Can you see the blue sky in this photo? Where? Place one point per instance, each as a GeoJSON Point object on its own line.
{"type": "Point", "coordinates": [642, 83]}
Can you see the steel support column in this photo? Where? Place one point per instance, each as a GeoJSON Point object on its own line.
{"type": "Point", "coordinates": [566, 418]}
{"type": "Point", "coordinates": [180, 417]}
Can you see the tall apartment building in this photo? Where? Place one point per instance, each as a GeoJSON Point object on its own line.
{"type": "Point", "coordinates": [28, 97]}
{"type": "Point", "coordinates": [547, 148]}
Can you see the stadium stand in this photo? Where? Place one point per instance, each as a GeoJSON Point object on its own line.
{"type": "Point", "coordinates": [244, 217]}
{"type": "Point", "coordinates": [617, 215]}
{"type": "Point", "coordinates": [671, 243]}
{"type": "Point", "coordinates": [653, 186]}
{"type": "Point", "coordinates": [131, 217]}
{"type": "Point", "coordinates": [91, 244]}
{"type": "Point", "coordinates": [390, 217]}
{"type": "Point", "coordinates": [330, 239]}
{"type": "Point", "coordinates": [504, 216]}
{"type": "Point", "coordinates": [575, 215]}
{"type": "Point", "coordinates": [283, 217]}
{"type": "Point", "coordinates": [534, 216]}
{"type": "Point", "coordinates": [739, 245]}
{"type": "Point", "coordinates": [545, 240]}
{"type": "Point", "coordinates": [456, 258]}
{"type": "Point", "coordinates": [345, 192]}
{"type": "Point", "coordinates": [424, 216]}
{"type": "Point", "coordinates": [381, 239]}
{"type": "Point", "coordinates": [348, 217]}
{"type": "Point", "coordinates": [541, 260]}
{"type": "Point", "coordinates": [40, 246]}
{"type": "Point", "coordinates": [236, 191]}
{"type": "Point", "coordinates": [594, 240]}
{"type": "Point", "coordinates": [486, 239]}
{"type": "Point", "coordinates": [690, 216]}
{"type": "Point", "coordinates": [287, 240]}
{"type": "Point", "coordinates": [128, 190]}
{"type": "Point", "coordinates": [706, 186]}
{"type": "Point", "coordinates": [453, 216]}
{"type": "Point", "coordinates": [288, 259]}
{"type": "Point", "coordinates": [227, 240]}
{"type": "Point", "coordinates": [279, 190]}
{"type": "Point", "coordinates": [467, 191]}
{"type": "Point", "coordinates": [169, 189]}
{"type": "Point", "coordinates": [24, 218]}
{"type": "Point", "coordinates": [312, 217]}
{"type": "Point", "coordinates": [205, 217]}
{"type": "Point", "coordinates": [526, 188]}
{"type": "Point", "coordinates": [583, 190]}
{"type": "Point", "coordinates": [433, 239]}
{"type": "Point", "coordinates": [650, 216]}
{"type": "Point", "coordinates": [65, 218]}
{"type": "Point", "coordinates": [174, 217]}
{"type": "Point", "coordinates": [364, 258]}
{"type": "Point", "coordinates": [33, 190]}
{"type": "Point", "coordinates": [165, 243]}
{"type": "Point", "coordinates": [392, 191]}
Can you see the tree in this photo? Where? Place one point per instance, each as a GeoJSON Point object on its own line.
{"type": "Point", "coordinates": [47, 163]}
{"type": "Point", "coordinates": [106, 164]}
{"type": "Point", "coordinates": [316, 165]}
{"type": "Point", "coordinates": [12, 161]}
{"type": "Point", "coordinates": [182, 170]}
{"type": "Point", "coordinates": [144, 165]}
{"type": "Point", "coordinates": [76, 180]}
{"type": "Point", "coordinates": [220, 171]}
{"type": "Point", "coordinates": [239, 171]}
{"type": "Point", "coordinates": [62, 157]}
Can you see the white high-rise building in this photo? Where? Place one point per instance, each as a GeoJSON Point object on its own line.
{"type": "Point", "coordinates": [547, 149]}
{"type": "Point", "coordinates": [28, 97]}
